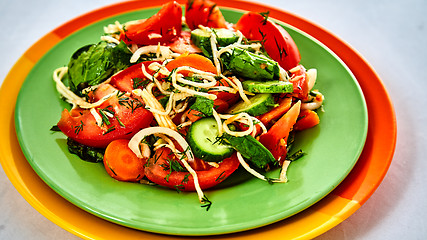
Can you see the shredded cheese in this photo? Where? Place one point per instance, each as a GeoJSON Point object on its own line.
{"type": "Point", "coordinates": [97, 117]}
{"type": "Point", "coordinates": [153, 105]}
{"type": "Point", "coordinates": [283, 178]}
{"type": "Point", "coordinates": [162, 52]}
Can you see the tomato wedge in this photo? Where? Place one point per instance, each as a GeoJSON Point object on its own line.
{"type": "Point", "coordinates": [158, 171]}
{"type": "Point", "coordinates": [183, 44]}
{"type": "Point", "coordinates": [205, 13]}
{"type": "Point", "coordinates": [161, 28]}
{"type": "Point", "coordinates": [131, 78]}
{"type": "Point", "coordinates": [277, 41]}
{"type": "Point", "coordinates": [124, 116]}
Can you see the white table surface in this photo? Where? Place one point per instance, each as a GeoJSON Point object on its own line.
{"type": "Point", "coordinates": [390, 34]}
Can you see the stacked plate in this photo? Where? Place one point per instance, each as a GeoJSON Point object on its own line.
{"type": "Point", "coordinates": [348, 153]}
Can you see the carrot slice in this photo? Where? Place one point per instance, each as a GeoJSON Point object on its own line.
{"type": "Point", "coordinates": [192, 60]}
{"type": "Point", "coordinates": [275, 139]}
{"type": "Point", "coordinates": [121, 163]}
{"type": "Point", "coordinates": [277, 112]}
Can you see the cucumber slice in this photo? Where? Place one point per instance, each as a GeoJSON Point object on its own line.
{"type": "Point", "coordinates": [260, 103]}
{"type": "Point", "coordinates": [203, 139]}
{"type": "Point", "coordinates": [224, 37]}
{"type": "Point", "coordinates": [252, 66]}
{"type": "Point", "coordinates": [274, 86]}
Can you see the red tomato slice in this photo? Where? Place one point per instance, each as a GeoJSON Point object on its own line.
{"type": "Point", "coordinates": [162, 27]}
{"type": "Point", "coordinates": [129, 116]}
{"type": "Point", "coordinates": [230, 98]}
{"type": "Point", "coordinates": [157, 171]}
{"type": "Point", "coordinates": [131, 78]}
{"type": "Point", "coordinates": [205, 13]}
{"type": "Point", "coordinates": [300, 82]}
{"type": "Point", "coordinates": [183, 44]}
{"type": "Point", "coordinates": [277, 41]}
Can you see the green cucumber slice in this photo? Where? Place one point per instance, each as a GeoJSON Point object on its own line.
{"type": "Point", "coordinates": [260, 103]}
{"type": "Point", "coordinates": [224, 37]}
{"type": "Point", "coordinates": [252, 66]}
{"type": "Point", "coordinates": [204, 141]}
{"type": "Point", "coordinates": [275, 86]}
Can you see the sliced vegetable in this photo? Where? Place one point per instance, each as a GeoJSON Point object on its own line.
{"type": "Point", "coordinates": [283, 106]}
{"type": "Point", "coordinates": [205, 13]}
{"type": "Point", "coordinates": [274, 86]}
{"type": "Point", "coordinates": [252, 150]}
{"type": "Point", "coordinates": [229, 97]}
{"type": "Point", "coordinates": [306, 119]}
{"type": "Point", "coordinates": [161, 28]}
{"type": "Point", "coordinates": [260, 103]}
{"type": "Point", "coordinates": [196, 61]}
{"type": "Point", "coordinates": [131, 78]}
{"type": "Point", "coordinates": [122, 116]}
{"type": "Point", "coordinates": [205, 143]}
{"type": "Point", "coordinates": [253, 66]}
{"type": "Point", "coordinates": [300, 81]}
{"type": "Point", "coordinates": [202, 38]}
{"type": "Point", "coordinates": [183, 44]}
{"type": "Point", "coordinates": [158, 170]}
{"type": "Point", "coordinates": [194, 115]}
{"type": "Point", "coordinates": [276, 137]}
{"type": "Point", "coordinates": [121, 163]}
{"type": "Point", "coordinates": [276, 40]}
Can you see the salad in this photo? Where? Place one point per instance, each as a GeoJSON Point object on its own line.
{"type": "Point", "coordinates": [184, 98]}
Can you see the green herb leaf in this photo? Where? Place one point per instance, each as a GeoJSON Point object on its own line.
{"type": "Point", "coordinates": [86, 153]}
{"type": "Point", "coordinates": [296, 155]}
{"type": "Point", "coordinates": [55, 128]}
{"type": "Point", "coordinates": [252, 150]}
{"type": "Point", "coordinates": [92, 64]}
{"type": "Point", "coordinates": [203, 105]}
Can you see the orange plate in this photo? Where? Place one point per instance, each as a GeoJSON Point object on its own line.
{"type": "Point", "coordinates": [333, 209]}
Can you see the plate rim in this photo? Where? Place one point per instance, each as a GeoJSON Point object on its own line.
{"type": "Point", "coordinates": [217, 1]}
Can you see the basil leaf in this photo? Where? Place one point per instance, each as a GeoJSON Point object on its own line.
{"type": "Point", "coordinates": [93, 64]}
{"type": "Point", "coordinates": [203, 105]}
{"type": "Point", "coordinates": [252, 150]}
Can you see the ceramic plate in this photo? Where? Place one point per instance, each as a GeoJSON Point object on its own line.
{"type": "Point", "coordinates": [333, 148]}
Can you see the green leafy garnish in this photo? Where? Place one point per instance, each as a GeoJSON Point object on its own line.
{"type": "Point", "coordinates": [92, 64]}
{"type": "Point", "coordinates": [86, 153]}
{"type": "Point", "coordinates": [252, 150]}
{"type": "Point", "coordinates": [203, 105]}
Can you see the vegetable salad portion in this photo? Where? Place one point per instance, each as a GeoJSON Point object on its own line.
{"type": "Point", "coordinates": [183, 99]}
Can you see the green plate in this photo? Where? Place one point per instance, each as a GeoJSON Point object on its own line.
{"type": "Point", "coordinates": [241, 202]}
